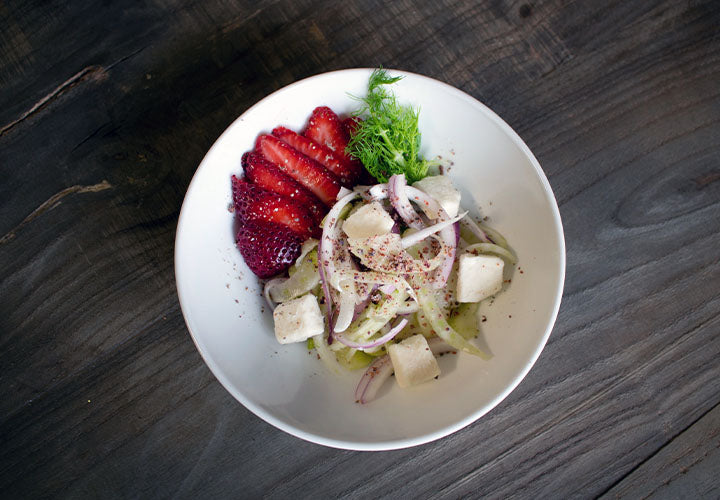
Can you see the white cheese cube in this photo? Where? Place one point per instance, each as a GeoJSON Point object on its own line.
{"type": "Point", "coordinates": [413, 361]}
{"type": "Point", "coordinates": [368, 220]}
{"type": "Point", "coordinates": [479, 277]}
{"type": "Point", "coordinates": [441, 188]}
{"type": "Point", "coordinates": [297, 320]}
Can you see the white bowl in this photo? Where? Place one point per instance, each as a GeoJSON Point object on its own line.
{"type": "Point", "coordinates": [284, 385]}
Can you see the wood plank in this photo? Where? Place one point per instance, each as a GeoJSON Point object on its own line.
{"type": "Point", "coordinates": [684, 468]}
{"type": "Point", "coordinates": [103, 130]}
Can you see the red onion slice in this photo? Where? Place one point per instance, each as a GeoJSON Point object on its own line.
{"type": "Point", "coordinates": [443, 273]}
{"type": "Point", "coordinates": [342, 193]}
{"type": "Point", "coordinates": [326, 257]}
{"type": "Point", "coordinates": [418, 236]}
{"type": "Point", "coordinates": [472, 226]}
{"type": "Point", "coordinates": [329, 239]}
{"type": "Point", "coordinates": [429, 205]}
{"type": "Point", "coordinates": [448, 235]}
{"type": "Point", "coordinates": [401, 203]}
{"type": "Point", "coordinates": [374, 343]}
{"type": "Point", "coordinates": [326, 291]}
{"type": "Point", "coordinates": [373, 378]}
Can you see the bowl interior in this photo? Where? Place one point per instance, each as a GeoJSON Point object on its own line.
{"type": "Point", "coordinates": [290, 388]}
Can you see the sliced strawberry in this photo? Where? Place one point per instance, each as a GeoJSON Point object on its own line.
{"type": "Point", "coordinates": [316, 178]}
{"type": "Point", "coordinates": [268, 248]}
{"type": "Point", "coordinates": [254, 203]}
{"type": "Point", "coordinates": [351, 123]}
{"type": "Point", "coordinates": [325, 128]}
{"type": "Point", "coordinates": [337, 164]}
{"type": "Point", "coordinates": [267, 175]}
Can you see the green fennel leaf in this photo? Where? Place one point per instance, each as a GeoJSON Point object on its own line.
{"type": "Point", "coordinates": [387, 140]}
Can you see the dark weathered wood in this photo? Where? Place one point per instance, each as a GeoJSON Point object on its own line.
{"type": "Point", "coordinates": [685, 468]}
{"type": "Point", "coordinates": [106, 109]}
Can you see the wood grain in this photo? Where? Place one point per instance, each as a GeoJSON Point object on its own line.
{"type": "Point", "coordinates": [685, 467]}
{"type": "Point", "coordinates": [106, 109]}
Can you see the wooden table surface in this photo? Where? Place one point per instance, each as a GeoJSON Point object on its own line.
{"type": "Point", "coordinates": [107, 108]}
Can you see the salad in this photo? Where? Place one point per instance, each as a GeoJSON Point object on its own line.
{"type": "Point", "coordinates": [370, 259]}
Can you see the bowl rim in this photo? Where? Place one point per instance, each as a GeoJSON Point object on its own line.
{"type": "Point", "coordinates": [393, 444]}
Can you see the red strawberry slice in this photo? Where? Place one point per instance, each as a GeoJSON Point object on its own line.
{"type": "Point", "coordinates": [351, 123]}
{"type": "Point", "coordinates": [316, 178]}
{"type": "Point", "coordinates": [325, 128]}
{"type": "Point", "coordinates": [337, 164]}
{"type": "Point", "coordinates": [254, 204]}
{"type": "Point", "coordinates": [268, 249]}
{"type": "Point", "coordinates": [267, 175]}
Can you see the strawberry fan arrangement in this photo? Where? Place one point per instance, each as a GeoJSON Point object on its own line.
{"type": "Point", "coordinates": [290, 182]}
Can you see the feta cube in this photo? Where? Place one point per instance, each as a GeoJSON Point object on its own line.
{"type": "Point", "coordinates": [441, 188]}
{"type": "Point", "coordinates": [413, 361]}
{"type": "Point", "coordinates": [297, 320]}
{"type": "Point", "coordinates": [369, 220]}
{"type": "Point", "coordinates": [479, 277]}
